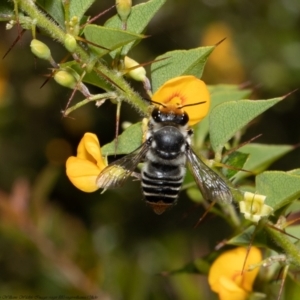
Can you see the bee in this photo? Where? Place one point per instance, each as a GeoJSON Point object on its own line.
{"type": "Point", "coordinates": [165, 153]}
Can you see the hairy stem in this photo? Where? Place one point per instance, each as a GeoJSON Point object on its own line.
{"type": "Point", "coordinates": [290, 249]}
{"type": "Point", "coordinates": [87, 100]}
{"type": "Point", "coordinates": [42, 21]}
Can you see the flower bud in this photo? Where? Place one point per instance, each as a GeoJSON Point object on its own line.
{"type": "Point", "coordinates": [139, 73]}
{"type": "Point", "coordinates": [66, 79]}
{"type": "Point", "coordinates": [70, 42]}
{"type": "Point", "coordinates": [73, 26]}
{"type": "Point", "coordinates": [123, 9]}
{"type": "Point", "coordinates": [40, 49]}
{"type": "Point", "coordinates": [74, 21]}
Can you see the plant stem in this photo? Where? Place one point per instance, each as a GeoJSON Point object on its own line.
{"type": "Point", "coordinates": [42, 21]}
{"type": "Point", "coordinates": [290, 249]}
{"type": "Point", "coordinates": [110, 95]}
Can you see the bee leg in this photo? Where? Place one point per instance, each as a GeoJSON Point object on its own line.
{"type": "Point", "coordinates": [136, 175]}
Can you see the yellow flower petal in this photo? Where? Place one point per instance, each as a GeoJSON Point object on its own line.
{"type": "Point", "coordinates": [185, 90]}
{"type": "Point", "coordinates": [84, 169]}
{"type": "Point", "coordinates": [82, 173]}
{"type": "Point", "coordinates": [89, 149]}
{"type": "Point", "coordinates": [229, 290]}
{"type": "Point", "coordinates": [229, 265]}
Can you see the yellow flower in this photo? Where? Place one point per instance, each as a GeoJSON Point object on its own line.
{"type": "Point", "coordinates": [253, 207]}
{"type": "Point", "coordinates": [185, 90]}
{"type": "Point", "coordinates": [225, 275]}
{"type": "Point", "coordinates": [224, 64]}
{"type": "Point", "coordinates": [84, 168]}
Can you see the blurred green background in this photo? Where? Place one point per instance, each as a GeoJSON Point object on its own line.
{"type": "Point", "coordinates": [56, 240]}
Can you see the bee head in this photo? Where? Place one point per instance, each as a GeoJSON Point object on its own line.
{"type": "Point", "coordinates": [170, 113]}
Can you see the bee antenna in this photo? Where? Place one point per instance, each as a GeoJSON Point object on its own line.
{"type": "Point", "coordinates": [191, 104]}
{"type": "Point", "coordinates": [154, 102]}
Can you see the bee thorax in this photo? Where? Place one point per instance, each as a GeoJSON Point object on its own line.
{"type": "Point", "coordinates": [167, 142]}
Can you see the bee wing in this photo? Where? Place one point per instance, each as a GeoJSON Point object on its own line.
{"type": "Point", "coordinates": [116, 173]}
{"type": "Point", "coordinates": [211, 185]}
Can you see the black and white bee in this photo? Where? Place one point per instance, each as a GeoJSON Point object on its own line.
{"type": "Point", "coordinates": [165, 153]}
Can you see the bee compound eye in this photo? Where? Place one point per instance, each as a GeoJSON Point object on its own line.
{"type": "Point", "coordinates": [184, 118]}
{"type": "Point", "coordinates": [156, 115]}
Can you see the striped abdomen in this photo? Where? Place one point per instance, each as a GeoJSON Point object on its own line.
{"type": "Point", "coordinates": [161, 184]}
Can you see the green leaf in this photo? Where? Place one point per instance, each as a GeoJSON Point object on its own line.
{"type": "Point", "coordinates": [128, 141]}
{"type": "Point", "coordinates": [294, 230]}
{"type": "Point", "coordinates": [91, 78]}
{"type": "Point", "coordinates": [177, 63]}
{"type": "Point", "coordinates": [294, 172]}
{"type": "Point", "coordinates": [237, 160]}
{"type": "Point", "coordinates": [6, 10]}
{"type": "Point", "coordinates": [228, 118]}
{"type": "Point", "coordinates": [55, 9]}
{"type": "Point", "coordinates": [219, 94]}
{"type": "Point", "coordinates": [259, 238]}
{"type": "Point", "coordinates": [261, 157]}
{"type": "Point", "coordinates": [108, 37]}
{"type": "Point", "coordinates": [245, 237]}
{"type": "Point", "coordinates": [281, 188]}
{"type": "Point", "coordinates": [97, 80]}
{"type": "Point", "coordinates": [138, 19]}
{"type": "Point", "coordinates": [79, 7]}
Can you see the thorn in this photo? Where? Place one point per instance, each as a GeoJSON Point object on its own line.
{"type": "Point", "coordinates": [247, 254]}
{"type": "Point", "coordinates": [117, 126]}
{"type": "Point", "coordinates": [296, 146]}
{"type": "Point", "coordinates": [218, 43]}
{"type": "Point", "coordinates": [205, 213]}
{"type": "Point", "coordinates": [97, 16]}
{"type": "Point", "coordinates": [14, 42]}
{"type": "Point", "coordinates": [245, 85]}
{"type": "Point", "coordinates": [248, 249]}
{"type": "Point", "coordinates": [108, 79]}
{"type": "Point", "coordinates": [233, 168]}
{"type": "Point", "coordinates": [146, 64]}
{"type": "Point", "coordinates": [49, 76]}
{"type": "Point", "coordinates": [243, 144]}
{"type": "Point", "coordinates": [290, 93]}
{"type": "Point", "coordinates": [284, 275]}
{"type": "Point", "coordinates": [220, 245]}
{"type": "Point", "coordinates": [91, 43]}
{"type": "Point", "coordinates": [69, 101]}
{"type": "Point", "coordinates": [282, 231]}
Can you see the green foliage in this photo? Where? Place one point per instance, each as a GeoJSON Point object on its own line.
{"type": "Point", "coordinates": [281, 188]}
{"type": "Point", "coordinates": [6, 10]}
{"type": "Point", "coordinates": [219, 94]}
{"type": "Point", "coordinates": [135, 23]}
{"type": "Point", "coordinates": [230, 117]}
{"type": "Point", "coordinates": [110, 37]}
{"type": "Point", "coordinates": [80, 255]}
{"type": "Point", "coordinates": [78, 8]}
{"type": "Point", "coordinates": [236, 159]}
{"type": "Point", "coordinates": [127, 142]}
{"type": "Point", "coordinates": [261, 157]}
{"type": "Point", "coordinates": [55, 9]}
{"type": "Point", "coordinates": [177, 63]}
